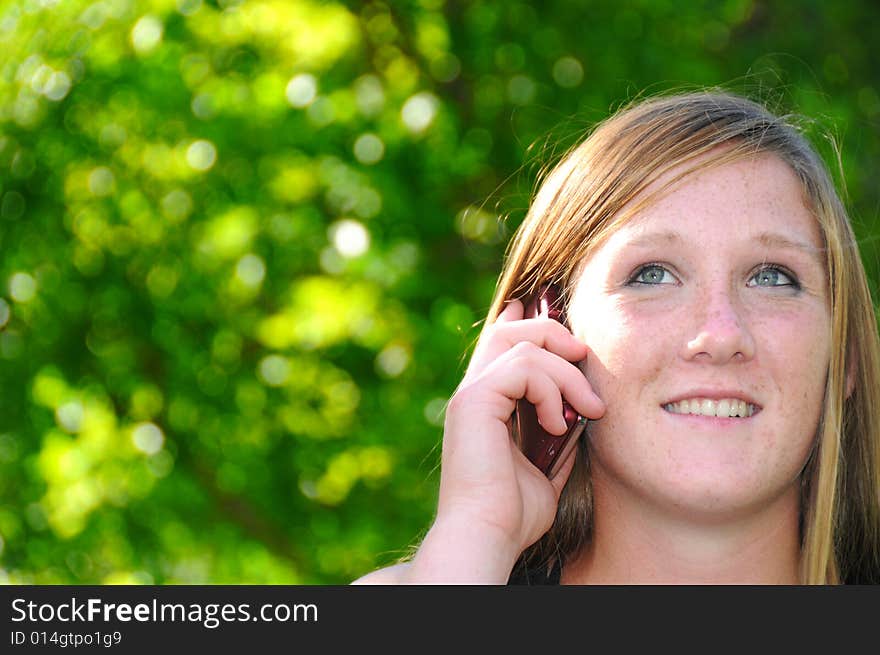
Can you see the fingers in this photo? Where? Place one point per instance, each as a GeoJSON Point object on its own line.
{"type": "Point", "coordinates": [541, 390]}
{"type": "Point", "coordinates": [541, 377]}
{"type": "Point", "coordinates": [544, 379]}
{"type": "Point", "coordinates": [511, 330]}
{"type": "Point", "coordinates": [558, 481]}
{"type": "Point", "coordinates": [513, 311]}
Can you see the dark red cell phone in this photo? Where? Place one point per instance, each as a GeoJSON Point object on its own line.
{"type": "Point", "coordinates": [546, 451]}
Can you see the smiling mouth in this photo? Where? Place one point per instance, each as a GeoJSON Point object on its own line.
{"type": "Point", "coordinates": [723, 408]}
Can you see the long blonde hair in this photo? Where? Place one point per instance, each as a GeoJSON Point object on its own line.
{"type": "Point", "coordinates": [602, 182]}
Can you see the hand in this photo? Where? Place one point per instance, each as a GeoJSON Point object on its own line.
{"type": "Point", "coordinates": [487, 485]}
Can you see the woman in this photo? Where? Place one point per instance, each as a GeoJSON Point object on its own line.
{"type": "Point", "coordinates": [723, 345]}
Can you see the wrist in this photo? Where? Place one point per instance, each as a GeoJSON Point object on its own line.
{"type": "Point", "coordinates": [458, 552]}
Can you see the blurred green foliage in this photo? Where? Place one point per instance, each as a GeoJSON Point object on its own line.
{"type": "Point", "coordinates": [244, 247]}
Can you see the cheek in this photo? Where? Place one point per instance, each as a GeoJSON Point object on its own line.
{"type": "Point", "coordinates": [628, 351]}
{"type": "Point", "coordinates": [798, 359]}
{"type": "Point", "coordinates": [796, 348]}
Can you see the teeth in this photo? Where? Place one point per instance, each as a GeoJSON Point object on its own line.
{"type": "Point", "coordinates": [724, 408]}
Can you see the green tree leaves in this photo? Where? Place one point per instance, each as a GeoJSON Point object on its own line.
{"type": "Point", "coordinates": [245, 246]}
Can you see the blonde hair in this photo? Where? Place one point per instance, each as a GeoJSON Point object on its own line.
{"type": "Point", "coordinates": [599, 185]}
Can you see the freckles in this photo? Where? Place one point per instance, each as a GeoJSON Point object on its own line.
{"type": "Point", "coordinates": [626, 363]}
{"type": "Point", "coordinates": [643, 355]}
{"type": "Point", "coordinates": [787, 442]}
{"type": "Point", "coordinates": [796, 352]}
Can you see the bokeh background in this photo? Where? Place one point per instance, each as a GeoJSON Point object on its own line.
{"type": "Point", "coordinates": [245, 247]}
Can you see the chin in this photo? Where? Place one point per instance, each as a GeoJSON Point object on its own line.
{"type": "Point", "coordinates": [718, 500]}
{"type": "Point", "coordinates": [705, 491]}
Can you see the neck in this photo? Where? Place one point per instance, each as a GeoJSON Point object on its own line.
{"type": "Point", "coordinates": [643, 544]}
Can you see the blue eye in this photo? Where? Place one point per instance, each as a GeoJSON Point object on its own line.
{"type": "Point", "coordinates": [773, 276]}
{"type": "Point", "coordinates": [652, 274]}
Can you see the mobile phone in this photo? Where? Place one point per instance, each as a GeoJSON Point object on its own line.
{"type": "Point", "coordinates": [546, 451]}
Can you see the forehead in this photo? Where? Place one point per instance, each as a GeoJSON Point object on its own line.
{"type": "Point", "coordinates": [758, 197]}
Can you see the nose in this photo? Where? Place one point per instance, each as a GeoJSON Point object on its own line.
{"type": "Point", "coordinates": [721, 333]}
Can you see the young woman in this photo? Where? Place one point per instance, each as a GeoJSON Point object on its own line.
{"type": "Point", "coordinates": [722, 342]}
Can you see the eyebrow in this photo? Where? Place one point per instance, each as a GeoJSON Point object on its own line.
{"type": "Point", "coordinates": [766, 239]}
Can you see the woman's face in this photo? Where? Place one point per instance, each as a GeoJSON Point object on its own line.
{"type": "Point", "coordinates": [715, 295]}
